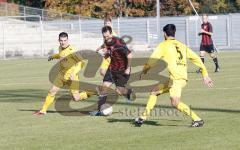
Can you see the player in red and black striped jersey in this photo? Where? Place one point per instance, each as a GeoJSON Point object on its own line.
{"type": "Point", "coordinates": [118, 72]}
{"type": "Point", "coordinates": [207, 43]}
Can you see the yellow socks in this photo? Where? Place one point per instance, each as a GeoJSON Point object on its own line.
{"type": "Point", "coordinates": [151, 103]}
{"type": "Point", "coordinates": [83, 95]}
{"type": "Point", "coordinates": [49, 100]}
{"type": "Point", "coordinates": [186, 110]}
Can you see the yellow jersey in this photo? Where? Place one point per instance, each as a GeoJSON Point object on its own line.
{"type": "Point", "coordinates": [175, 54]}
{"type": "Point", "coordinates": [69, 61]}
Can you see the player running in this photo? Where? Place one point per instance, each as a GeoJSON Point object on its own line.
{"type": "Point", "coordinates": [207, 43]}
{"type": "Point", "coordinates": [118, 72]}
{"type": "Point", "coordinates": [70, 64]}
{"type": "Point", "coordinates": [106, 61]}
{"type": "Point", "coordinates": [175, 54]}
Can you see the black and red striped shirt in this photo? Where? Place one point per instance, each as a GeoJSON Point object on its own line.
{"type": "Point", "coordinates": [118, 51]}
{"type": "Point", "coordinates": [206, 39]}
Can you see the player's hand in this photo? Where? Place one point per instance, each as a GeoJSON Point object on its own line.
{"type": "Point", "coordinates": [144, 71]}
{"type": "Point", "coordinates": [208, 81]}
{"type": "Point", "coordinates": [127, 71]}
{"type": "Point", "coordinates": [50, 58]}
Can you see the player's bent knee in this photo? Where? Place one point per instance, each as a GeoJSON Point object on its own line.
{"type": "Point", "coordinates": [156, 93]}
{"type": "Point", "coordinates": [102, 72]}
{"type": "Point", "coordinates": [76, 98]}
{"type": "Point", "coordinates": [52, 92]}
{"type": "Point", "coordinates": [102, 90]}
{"type": "Point", "coordinates": [175, 101]}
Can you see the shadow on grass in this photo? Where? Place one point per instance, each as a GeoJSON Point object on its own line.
{"type": "Point", "coordinates": [73, 112]}
{"type": "Point", "coordinates": [147, 122]}
{"type": "Point", "coordinates": [131, 121]}
{"type": "Point", "coordinates": [22, 95]}
{"type": "Point", "coordinates": [63, 102]}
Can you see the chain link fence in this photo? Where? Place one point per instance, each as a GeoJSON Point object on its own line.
{"type": "Point", "coordinates": [34, 31]}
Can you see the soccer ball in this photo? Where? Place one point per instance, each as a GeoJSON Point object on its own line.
{"type": "Point", "coordinates": [106, 109]}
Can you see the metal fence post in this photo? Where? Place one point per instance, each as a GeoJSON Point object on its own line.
{"type": "Point", "coordinates": [158, 19]}
{"type": "Point", "coordinates": [24, 11]}
{"type": "Point", "coordinates": [61, 19]}
{"type": "Point", "coordinates": [229, 30]}
{"type": "Point", "coordinates": [118, 24]}
{"type": "Point", "coordinates": [147, 31]}
{"type": "Point", "coordinates": [42, 14]}
{"type": "Point", "coordinates": [6, 9]}
{"type": "Point", "coordinates": [80, 31]}
{"type": "Point", "coordinates": [41, 29]}
{"type": "Point", "coordinates": [24, 14]}
{"type": "Point", "coordinates": [187, 36]}
{"type": "Point", "coordinates": [196, 31]}
{"type": "Point", "coordinates": [3, 40]}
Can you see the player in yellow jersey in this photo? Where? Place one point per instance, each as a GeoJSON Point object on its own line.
{"type": "Point", "coordinates": [106, 61]}
{"type": "Point", "coordinates": [175, 54]}
{"type": "Point", "coordinates": [70, 64]}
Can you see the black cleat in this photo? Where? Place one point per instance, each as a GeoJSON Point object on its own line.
{"type": "Point", "coordinates": [96, 113]}
{"type": "Point", "coordinates": [217, 69]}
{"type": "Point", "coordinates": [199, 71]}
{"type": "Point", "coordinates": [131, 96]}
{"type": "Point", "coordinates": [198, 123]}
{"type": "Point", "coordinates": [138, 122]}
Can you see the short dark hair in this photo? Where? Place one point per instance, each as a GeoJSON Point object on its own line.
{"type": "Point", "coordinates": [63, 34]}
{"type": "Point", "coordinates": [170, 30]}
{"type": "Point", "coordinates": [106, 28]}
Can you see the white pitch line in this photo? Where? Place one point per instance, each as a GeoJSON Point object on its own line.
{"type": "Point", "coordinates": [192, 89]}
{"type": "Point", "coordinates": [44, 77]}
{"type": "Point", "coordinates": [35, 83]}
{"type": "Point", "coordinates": [229, 77]}
{"type": "Point", "coordinates": [229, 88]}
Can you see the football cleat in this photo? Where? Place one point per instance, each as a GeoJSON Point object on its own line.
{"type": "Point", "coordinates": [138, 122]}
{"type": "Point", "coordinates": [96, 113]}
{"type": "Point", "coordinates": [217, 69]}
{"type": "Point", "coordinates": [198, 123]}
{"type": "Point", "coordinates": [131, 96]}
{"type": "Point", "coordinates": [38, 113]}
{"type": "Point", "coordinates": [199, 71]}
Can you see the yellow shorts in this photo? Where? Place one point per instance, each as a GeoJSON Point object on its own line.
{"type": "Point", "coordinates": [105, 63]}
{"type": "Point", "coordinates": [64, 81]}
{"type": "Point", "coordinates": [173, 87]}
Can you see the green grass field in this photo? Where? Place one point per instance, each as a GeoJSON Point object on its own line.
{"type": "Point", "coordinates": [24, 84]}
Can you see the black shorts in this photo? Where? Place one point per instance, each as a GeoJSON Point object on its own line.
{"type": "Point", "coordinates": [207, 48]}
{"type": "Point", "coordinates": [120, 79]}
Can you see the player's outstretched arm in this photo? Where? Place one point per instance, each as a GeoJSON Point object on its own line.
{"type": "Point", "coordinates": [152, 61]}
{"type": "Point", "coordinates": [55, 56]}
{"type": "Point", "coordinates": [196, 61]}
